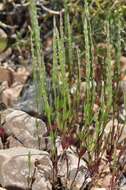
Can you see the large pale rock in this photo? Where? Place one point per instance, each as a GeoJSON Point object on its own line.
{"type": "Point", "coordinates": [24, 130]}
{"type": "Point", "coordinates": [16, 167]}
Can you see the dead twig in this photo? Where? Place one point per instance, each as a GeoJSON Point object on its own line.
{"type": "Point", "coordinates": [50, 11]}
{"type": "Point", "coordinates": [3, 25]}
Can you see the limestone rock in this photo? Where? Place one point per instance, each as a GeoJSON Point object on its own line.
{"type": "Point", "coordinates": [16, 167]}
{"type": "Point", "coordinates": [24, 130]}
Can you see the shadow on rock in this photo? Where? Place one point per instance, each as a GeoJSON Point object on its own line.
{"type": "Point", "coordinates": [16, 188]}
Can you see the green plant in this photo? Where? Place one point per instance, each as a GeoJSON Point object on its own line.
{"type": "Point", "coordinates": [87, 133]}
{"type": "Point", "coordinates": [31, 174]}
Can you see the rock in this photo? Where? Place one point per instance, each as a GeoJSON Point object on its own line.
{"type": "Point", "coordinates": [16, 167]}
{"type": "Point", "coordinates": [122, 87]}
{"type": "Point", "coordinates": [82, 179]}
{"type": "Point", "coordinates": [10, 95]}
{"type": "Point", "coordinates": [118, 127]}
{"type": "Point", "coordinates": [28, 103]}
{"type": "Point", "coordinates": [21, 75]}
{"type": "Point", "coordinates": [122, 183]}
{"type": "Point", "coordinates": [123, 65]}
{"type": "Point", "coordinates": [15, 83]}
{"type": "Point", "coordinates": [1, 188]}
{"type": "Point", "coordinates": [24, 130]}
{"type": "Point", "coordinates": [5, 55]}
{"type": "Point", "coordinates": [123, 187]}
{"type": "Point", "coordinates": [1, 6]}
{"type": "Point", "coordinates": [28, 100]}
{"type": "Point", "coordinates": [1, 144]}
{"type": "Point", "coordinates": [4, 112]}
{"type": "Point", "coordinates": [122, 113]}
{"type": "Point", "coordinates": [6, 74]}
